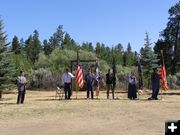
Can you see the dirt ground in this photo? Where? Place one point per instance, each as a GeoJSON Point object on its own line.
{"type": "Point", "coordinates": [43, 115]}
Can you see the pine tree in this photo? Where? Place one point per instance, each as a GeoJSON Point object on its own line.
{"type": "Point", "coordinates": [166, 47]}
{"type": "Point", "coordinates": [22, 44]}
{"type": "Point", "coordinates": [171, 33]}
{"type": "Point", "coordinates": [67, 42]}
{"type": "Point", "coordinates": [16, 46]}
{"type": "Point", "coordinates": [7, 69]}
{"type": "Point", "coordinates": [33, 47]}
{"type": "Point", "coordinates": [148, 57]}
{"type": "Point", "coordinates": [47, 48]}
{"type": "Point", "coordinates": [58, 36]}
{"type": "Point", "coordinates": [57, 39]}
{"type": "Point", "coordinates": [129, 49]}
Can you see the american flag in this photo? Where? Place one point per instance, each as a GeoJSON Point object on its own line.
{"type": "Point", "coordinates": [163, 77]}
{"type": "Point", "coordinates": [79, 74]}
{"type": "Point", "coordinates": [163, 73]}
{"type": "Point", "coordinates": [97, 69]}
{"type": "Point", "coordinates": [140, 75]}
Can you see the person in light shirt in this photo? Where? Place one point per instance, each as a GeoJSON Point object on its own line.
{"type": "Point", "coordinates": [21, 84]}
{"type": "Point", "coordinates": [66, 80]}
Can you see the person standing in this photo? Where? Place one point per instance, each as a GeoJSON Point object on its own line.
{"type": "Point", "coordinates": [132, 87]}
{"type": "Point", "coordinates": [155, 82]}
{"type": "Point", "coordinates": [21, 84]}
{"type": "Point", "coordinates": [96, 79]}
{"type": "Point", "coordinates": [66, 80]}
{"type": "Point", "coordinates": [89, 83]}
{"type": "Point", "coordinates": [109, 79]}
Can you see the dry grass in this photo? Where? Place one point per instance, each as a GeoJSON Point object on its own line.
{"type": "Point", "coordinates": [43, 115]}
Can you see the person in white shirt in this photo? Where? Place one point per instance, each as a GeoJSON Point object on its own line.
{"type": "Point", "coordinates": [66, 80]}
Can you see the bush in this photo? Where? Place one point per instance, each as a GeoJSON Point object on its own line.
{"type": "Point", "coordinates": [174, 81]}
{"type": "Point", "coordinates": [43, 78]}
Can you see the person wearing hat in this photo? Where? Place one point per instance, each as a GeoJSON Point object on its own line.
{"type": "Point", "coordinates": [155, 82]}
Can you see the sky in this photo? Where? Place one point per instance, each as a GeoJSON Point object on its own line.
{"type": "Point", "coordinates": [106, 21]}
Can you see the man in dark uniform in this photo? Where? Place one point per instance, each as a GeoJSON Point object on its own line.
{"type": "Point", "coordinates": [109, 83]}
{"type": "Point", "coordinates": [21, 83]}
{"type": "Point", "coordinates": [155, 82]}
{"type": "Point", "coordinates": [89, 83]}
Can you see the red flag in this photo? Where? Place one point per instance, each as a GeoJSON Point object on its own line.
{"type": "Point", "coordinates": [79, 76]}
{"type": "Point", "coordinates": [163, 78]}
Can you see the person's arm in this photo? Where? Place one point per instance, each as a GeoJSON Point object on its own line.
{"type": "Point", "coordinates": [71, 75]}
{"type": "Point", "coordinates": [130, 80]}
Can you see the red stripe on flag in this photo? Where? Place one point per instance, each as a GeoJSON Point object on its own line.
{"type": "Point", "coordinates": [79, 77]}
{"type": "Point", "coordinates": [163, 78]}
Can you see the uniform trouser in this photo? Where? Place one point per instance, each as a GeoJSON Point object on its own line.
{"type": "Point", "coordinates": [110, 87]}
{"type": "Point", "coordinates": [67, 90]}
{"type": "Point", "coordinates": [155, 92]}
{"type": "Point", "coordinates": [90, 89]}
{"type": "Point", "coordinates": [21, 96]}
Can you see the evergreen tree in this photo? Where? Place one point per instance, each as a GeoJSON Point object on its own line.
{"type": "Point", "coordinates": [57, 39]}
{"type": "Point", "coordinates": [125, 59]}
{"type": "Point", "coordinates": [16, 46]}
{"type": "Point", "coordinates": [47, 48]}
{"type": "Point", "coordinates": [87, 46]}
{"type": "Point", "coordinates": [129, 56]}
{"type": "Point", "coordinates": [119, 48]}
{"type": "Point", "coordinates": [98, 49]}
{"type": "Point", "coordinates": [166, 47]}
{"type": "Point", "coordinates": [36, 46]}
{"type": "Point", "coordinates": [129, 49]}
{"type": "Point", "coordinates": [171, 33]}
{"type": "Point", "coordinates": [7, 69]}
{"type": "Point", "coordinates": [29, 47]}
{"type": "Point", "coordinates": [148, 57]}
{"type": "Point", "coordinates": [67, 42]}
{"type": "Point", "coordinates": [22, 44]}
{"type": "Point", "coordinates": [33, 47]}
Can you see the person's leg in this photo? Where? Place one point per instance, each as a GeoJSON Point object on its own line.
{"type": "Point", "coordinates": [129, 91]}
{"type": "Point", "coordinates": [23, 96]}
{"type": "Point", "coordinates": [65, 91]}
{"type": "Point", "coordinates": [92, 93]}
{"type": "Point", "coordinates": [157, 92]}
{"type": "Point", "coordinates": [113, 88]}
{"type": "Point", "coordinates": [18, 97]}
{"type": "Point", "coordinates": [108, 88]}
{"type": "Point", "coordinates": [134, 92]}
{"type": "Point", "coordinates": [69, 91]}
{"type": "Point", "coordinates": [88, 91]}
{"type": "Point", "coordinates": [153, 93]}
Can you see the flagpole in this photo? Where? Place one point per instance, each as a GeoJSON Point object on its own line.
{"type": "Point", "coordinates": [162, 61]}
{"type": "Point", "coordinates": [77, 64]}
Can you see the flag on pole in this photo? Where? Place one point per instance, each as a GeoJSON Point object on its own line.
{"type": "Point", "coordinates": [163, 74]}
{"type": "Point", "coordinates": [140, 75]}
{"type": "Point", "coordinates": [163, 78]}
{"type": "Point", "coordinates": [79, 74]}
{"type": "Point", "coordinates": [114, 66]}
{"type": "Point", "coordinates": [97, 69]}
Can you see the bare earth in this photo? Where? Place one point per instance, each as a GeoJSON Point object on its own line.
{"type": "Point", "coordinates": [43, 115]}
